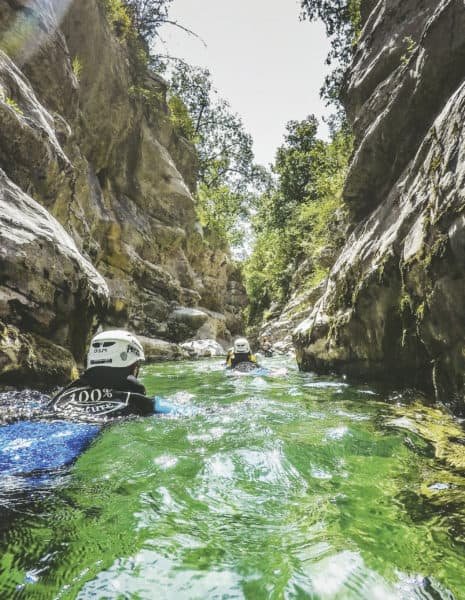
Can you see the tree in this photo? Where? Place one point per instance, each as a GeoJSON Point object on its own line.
{"type": "Point", "coordinates": [229, 180]}
{"type": "Point", "coordinates": [146, 18]}
{"type": "Point", "coordinates": [148, 15]}
{"type": "Point", "coordinates": [299, 219]}
{"type": "Point", "coordinates": [296, 166]}
{"type": "Point", "coordinates": [343, 23]}
{"type": "Point", "coordinates": [224, 147]}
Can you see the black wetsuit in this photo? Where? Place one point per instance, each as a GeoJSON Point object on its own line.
{"type": "Point", "coordinates": [237, 358]}
{"type": "Point", "coordinates": [267, 349]}
{"type": "Point", "coordinates": [107, 377]}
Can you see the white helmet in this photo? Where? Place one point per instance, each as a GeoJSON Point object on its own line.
{"type": "Point", "coordinates": [116, 348]}
{"type": "Point", "coordinates": [241, 345]}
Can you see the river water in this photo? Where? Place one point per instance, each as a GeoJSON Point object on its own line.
{"type": "Point", "coordinates": [286, 487]}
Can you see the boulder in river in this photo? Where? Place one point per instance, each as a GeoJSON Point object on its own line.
{"type": "Point", "coordinates": [203, 348]}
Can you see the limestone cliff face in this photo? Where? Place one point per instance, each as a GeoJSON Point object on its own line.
{"type": "Point", "coordinates": [89, 158]}
{"type": "Point", "coordinates": [393, 306]}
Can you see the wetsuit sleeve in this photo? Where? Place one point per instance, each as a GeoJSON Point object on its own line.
{"type": "Point", "coordinates": [135, 385]}
{"type": "Point", "coordinates": [80, 382]}
{"type": "Point", "coordinates": [253, 359]}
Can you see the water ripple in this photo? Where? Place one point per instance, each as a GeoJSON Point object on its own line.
{"type": "Point", "coordinates": [262, 488]}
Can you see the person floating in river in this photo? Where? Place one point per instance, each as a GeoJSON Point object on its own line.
{"type": "Point", "coordinates": [240, 354]}
{"type": "Point", "coordinates": [113, 362]}
{"type": "Point", "coordinates": [266, 346]}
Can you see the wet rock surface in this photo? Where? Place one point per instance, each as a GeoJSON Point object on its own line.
{"type": "Point", "coordinates": [393, 307]}
{"type": "Point", "coordinates": [204, 348]}
{"type": "Point", "coordinates": [86, 164]}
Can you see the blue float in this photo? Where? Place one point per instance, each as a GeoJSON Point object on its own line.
{"type": "Point", "coordinates": [29, 447]}
{"type": "Point", "coordinates": [74, 419]}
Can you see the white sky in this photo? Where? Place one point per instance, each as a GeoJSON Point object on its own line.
{"type": "Point", "coordinates": [265, 62]}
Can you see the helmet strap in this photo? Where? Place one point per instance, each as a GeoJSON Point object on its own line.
{"type": "Point", "coordinates": [135, 369]}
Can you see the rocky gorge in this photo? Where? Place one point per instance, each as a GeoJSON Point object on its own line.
{"type": "Point", "coordinates": [99, 224]}
{"type": "Point", "coordinates": [393, 305]}
{"type": "Point", "coordinates": [97, 218]}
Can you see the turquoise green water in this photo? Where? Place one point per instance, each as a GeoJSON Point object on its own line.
{"type": "Point", "coordinates": [263, 488]}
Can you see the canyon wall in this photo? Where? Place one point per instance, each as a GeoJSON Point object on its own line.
{"type": "Point", "coordinates": [393, 306]}
{"type": "Point", "coordinates": [97, 218]}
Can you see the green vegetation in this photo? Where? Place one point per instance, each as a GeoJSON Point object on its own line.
{"type": "Point", "coordinates": [229, 182]}
{"type": "Point", "coordinates": [409, 50]}
{"type": "Point", "coordinates": [343, 25]}
{"type": "Point", "coordinates": [77, 67]}
{"type": "Point", "coordinates": [14, 105]}
{"type": "Point", "coordinates": [126, 18]}
{"type": "Point", "coordinates": [136, 22]}
{"type": "Point", "coordinates": [300, 222]}
{"type": "Point", "coordinates": [153, 100]}
{"type": "Point", "coordinates": [181, 119]}
{"type": "Point", "coordinates": [118, 17]}
{"type": "Point", "coordinates": [147, 16]}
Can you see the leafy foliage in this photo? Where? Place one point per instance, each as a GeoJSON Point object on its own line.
{"type": "Point", "coordinates": [77, 67]}
{"type": "Point", "coordinates": [225, 149]}
{"type": "Point", "coordinates": [300, 217]}
{"type": "Point", "coordinates": [219, 210]}
{"type": "Point", "coordinates": [118, 17]}
{"type": "Point", "coordinates": [181, 119]}
{"type": "Point", "coordinates": [295, 167]}
{"type": "Point", "coordinates": [148, 15]}
{"type": "Point", "coordinates": [229, 181]}
{"type": "Point", "coordinates": [343, 24]}
{"type": "Point", "coordinates": [142, 17]}
{"type": "Point", "coordinates": [14, 105]}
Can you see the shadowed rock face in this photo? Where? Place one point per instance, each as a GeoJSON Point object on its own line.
{"type": "Point", "coordinates": [47, 288]}
{"type": "Point", "coordinates": [99, 169]}
{"type": "Point", "coordinates": [394, 303]}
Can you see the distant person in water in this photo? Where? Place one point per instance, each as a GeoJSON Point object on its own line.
{"type": "Point", "coordinates": [113, 361]}
{"type": "Point", "coordinates": [266, 346]}
{"type": "Point", "coordinates": [240, 354]}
